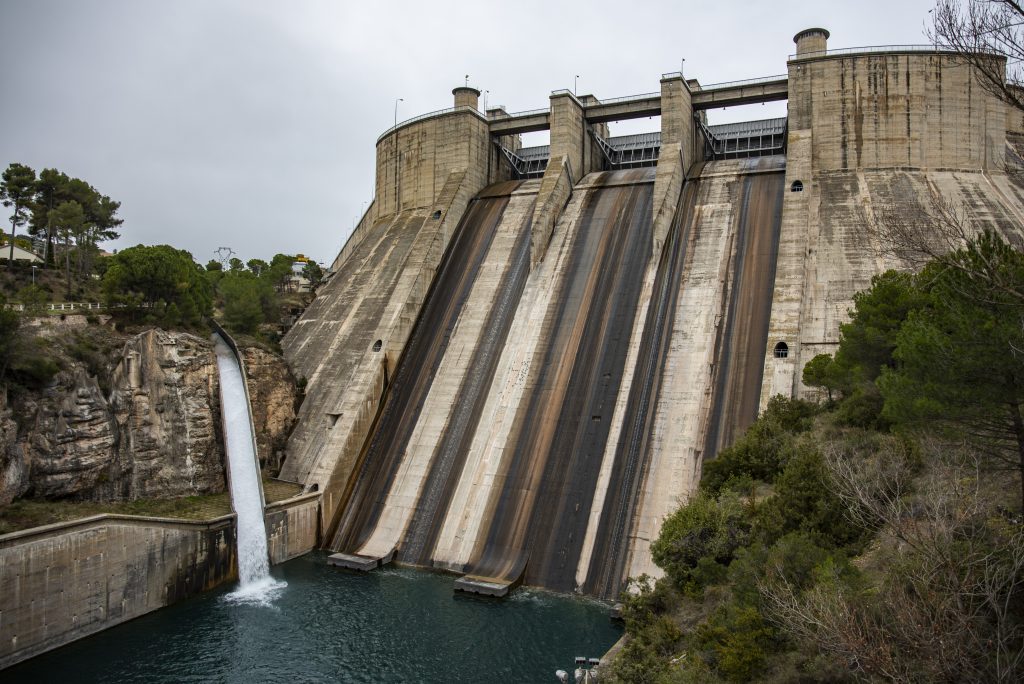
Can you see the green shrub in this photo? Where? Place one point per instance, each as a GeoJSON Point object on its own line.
{"type": "Point", "coordinates": [705, 528]}
{"type": "Point", "coordinates": [34, 371]}
{"type": "Point", "coordinates": [803, 502]}
{"type": "Point", "coordinates": [736, 642]}
{"type": "Point", "coordinates": [863, 409]}
{"type": "Point", "coordinates": [765, 448]}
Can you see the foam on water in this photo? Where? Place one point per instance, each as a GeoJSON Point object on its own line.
{"type": "Point", "coordinates": [256, 586]}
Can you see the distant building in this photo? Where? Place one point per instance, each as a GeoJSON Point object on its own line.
{"type": "Point", "coordinates": [297, 281]}
{"type": "Point", "coordinates": [19, 254]}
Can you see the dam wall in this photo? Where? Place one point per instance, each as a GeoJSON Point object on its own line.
{"type": "Point", "coordinates": [535, 515]}
{"type": "Point", "coordinates": [525, 490]}
{"type": "Point", "coordinates": [520, 382]}
{"type": "Point", "coordinates": [895, 110]}
{"type": "Point", "coordinates": [704, 359]}
{"type": "Point", "coordinates": [471, 254]}
{"type": "Point", "coordinates": [348, 341]}
{"type": "Point", "coordinates": [293, 527]}
{"type": "Point", "coordinates": [436, 448]}
{"type": "Point", "coordinates": [871, 135]}
{"type": "Point", "coordinates": [416, 158]}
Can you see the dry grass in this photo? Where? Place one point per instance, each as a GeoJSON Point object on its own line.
{"type": "Point", "coordinates": [27, 513]}
{"type": "Point", "coordinates": [24, 514]}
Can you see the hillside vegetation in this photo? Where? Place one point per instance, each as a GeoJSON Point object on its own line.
{"type": "Point", "coordinates": [876, 535]}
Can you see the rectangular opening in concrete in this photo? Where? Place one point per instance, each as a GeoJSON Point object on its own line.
{"type": "Point", "coordinates": [651, 124]}
{"type": "Point", "coordinates": [751, 112]}
{"type": "Point", "coordinates": [536, 139]}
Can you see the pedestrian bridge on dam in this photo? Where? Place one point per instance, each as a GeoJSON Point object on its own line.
{"type": "Point", "coordinates": [731, 94]}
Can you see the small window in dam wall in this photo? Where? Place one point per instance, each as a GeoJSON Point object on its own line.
{"type": "Point", "coordinates": [377, 345]}
{"type": "Point", "coordinates": [781, 350]}
{"type": "Point", "coordinates": [797, 186]}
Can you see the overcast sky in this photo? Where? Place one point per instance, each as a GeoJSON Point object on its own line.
{"type": "Point", "coordinates": [252, 124]}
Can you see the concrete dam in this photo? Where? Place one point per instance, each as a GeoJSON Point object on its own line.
{"type": "Point", "coordinates": [523, 355]}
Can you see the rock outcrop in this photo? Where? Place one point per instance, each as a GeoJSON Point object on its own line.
{"type": "Point", "coordinates": [13, 468]}
{"type": "Point", "coordinates": [165, 399]}
{"type": "Point", "coordinates": [139, 417]}
{"type": "Point", "coordinates": [273, 394]}
{"type": "Point", "coordinates": [156, 434]}
{"type": "Point", "coordinates": [71, 447]}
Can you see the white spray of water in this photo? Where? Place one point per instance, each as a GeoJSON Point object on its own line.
{"type": "Point", "coordinates": [256, 584]}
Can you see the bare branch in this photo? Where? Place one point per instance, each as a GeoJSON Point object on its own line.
{"type": "Point", "coordinates": [945, 608]}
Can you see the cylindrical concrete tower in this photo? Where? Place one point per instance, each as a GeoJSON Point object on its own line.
{"type": "Point", "coordinates": [811, 40]}
{"type": "Point", "coordinates": [466, 97]}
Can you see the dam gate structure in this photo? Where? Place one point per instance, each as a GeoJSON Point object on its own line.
{"type": "Point", "coordinates": [522, 356]}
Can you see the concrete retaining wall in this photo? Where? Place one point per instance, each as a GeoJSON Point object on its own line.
{"type": "Point", "coordinates": [293, 527]}
{"type": "Point", "coordinates": [62, 582]}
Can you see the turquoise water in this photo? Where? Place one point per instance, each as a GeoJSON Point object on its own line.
{"type": "Point", "coordinates": [330, 625]}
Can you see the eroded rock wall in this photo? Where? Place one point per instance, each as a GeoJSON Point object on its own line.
{"type": "Point", "coordinates": [274, 397]}
{"type": "Point", "coordinates": [141, 422]}
{"type": "Point", "coordinates": [154, 434]}
{"type": "Point", "coordinates": [13, 468]}
{"type": "Point", "coordinates": [166, 402]}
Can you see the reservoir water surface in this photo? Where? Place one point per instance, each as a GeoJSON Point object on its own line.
{"type": "Point", "coordinates": [330, 625]}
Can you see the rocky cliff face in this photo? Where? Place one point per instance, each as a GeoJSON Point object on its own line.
{"type": "Point", "coordinates": [13, 468]}
{"type": "Point", "coordinates": [155, 434]}
{"type": "Point", "coordinates": [273, 395]}
{"type": "Point", "coordinates": [146, 423]}
{"type": "Point", "coordinates": [165, 398]}
{"type": "Point", "coordinates": [70, 449]}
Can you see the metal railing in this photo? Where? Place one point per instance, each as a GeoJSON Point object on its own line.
{"type": "Point", "coordinates": [627, 98]}
{"type": "Point", "coordinates": [62, 306]}
{"type": "Point", "coordinates": [745, 82]}
{"type": "Point", "coordinates": [871, 49]}
{"type": "Point", "coordinates": [523, 114]}
{"type": "Point", "coordinates": [430, 115]}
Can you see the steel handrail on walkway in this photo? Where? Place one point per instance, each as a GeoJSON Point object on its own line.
{"type": "Point", "coordinates": [61, 306]}
{"type": "Point", "coordinates": [429, 115]}
{"type": "Point", "coordinates": [744, 82]}
{"type": "Point", "coordinates": [870, 49]}
{"type": "Point", "coordinates": [523, 114]}
{"type": "Point", "coordinates": [627, 98]}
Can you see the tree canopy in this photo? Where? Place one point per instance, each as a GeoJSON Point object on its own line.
{"type": "Point", "coordinates": [46, 204]}
{"type": "Point", "coordinates": [959, 357]}
{"type": "Point", "coordinates": [159, 283]}
{"type": "Point", "coordinates": [248, 300]}
{"type": "Point", "coordinates": [17, 187]}
{"type": "Point", "coordinates": [940, 350]}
